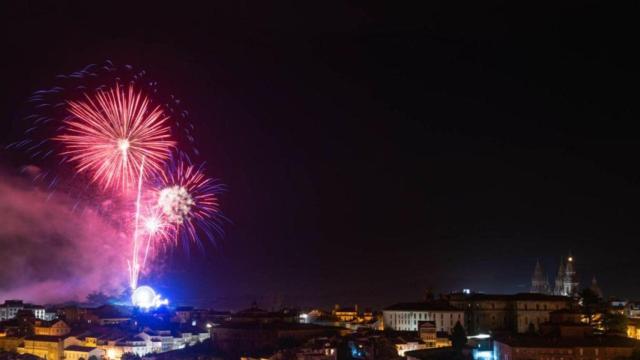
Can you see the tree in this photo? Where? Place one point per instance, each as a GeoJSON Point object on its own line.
{"type": "Point", "coordinates": [615, 323]}
{"type": "Point", "coordinates": [458, 336]}
{"type": "Point", "coordinates": [93, 357]}
{"type": "Point", "coordinates": [590, 303]}
{"type": "Point", "coordinates": [130, 356]}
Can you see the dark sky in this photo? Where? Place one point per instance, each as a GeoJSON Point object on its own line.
{"type": "Point", "coordinates": [373, 152]}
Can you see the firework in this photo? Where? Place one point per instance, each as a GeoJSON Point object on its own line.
{"type": "Point", "coordinates": [189, 202]}
{"type": "Point", "coordinates": [122, 138]}
{"type": "Point", "coordinates": [111, 134]}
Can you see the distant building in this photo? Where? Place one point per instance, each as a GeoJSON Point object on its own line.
{"type": "Point", "coordinates": [238, 338]}
{"type": "Point", "coordinates": [43, 346]}
{"type": "Point", "coordinates": [10, 308]}
{"type": "Point", "coordinates": [632, 309]}
{"type": "Point", "coordinates": [77, 352]}
{"type": "Point", "coordinates": [345, 313]}
{"type": "Point", "coordinates": [407, 316]}
{"type": "Point", "coordinates": [431, 337]}
{"type": "Point", "coordinates": [51, 328]}
{"type": "Point", "coordinates": [408, 341]}
{"type": "Point", "coordinates": [489, 312]}
{"type": "Point", "coordinates": [530, 347]}
{"type": "Point", "coordinates": [563, 337]}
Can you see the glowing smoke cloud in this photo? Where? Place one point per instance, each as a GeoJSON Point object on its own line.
{"type": "Point", "coordinates": [51, 253]}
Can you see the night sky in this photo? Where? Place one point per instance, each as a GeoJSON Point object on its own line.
{"type": "Point", "coordinates": [374, 152]}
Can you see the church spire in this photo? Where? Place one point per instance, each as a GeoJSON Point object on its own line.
{"type": "Point", "coordinates": [570, 278]}
{"type": "Point", "coordinates": [559, 288]}
{"type": "Point", "coordinates": [539, 283]}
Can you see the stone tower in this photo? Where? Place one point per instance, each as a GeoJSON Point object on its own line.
{"type": "Point", "coordinates": [539, 283]}
{"type": "Point", "coordinates": [559, 284]}
{"type": "Point", "coordinates": [570, 278]}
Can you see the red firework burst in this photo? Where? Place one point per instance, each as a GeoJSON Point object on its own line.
{"type": "Point", "coordinates": [117, 137]}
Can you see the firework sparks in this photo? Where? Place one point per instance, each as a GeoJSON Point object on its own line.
{"type": "Point", "coordinates": [188, 200]}
{"type": "Point", "coordinates": [111, 133]}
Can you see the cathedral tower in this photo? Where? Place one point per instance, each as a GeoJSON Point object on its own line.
{"type": "Point", "coordinates": [539, 283]}
{"type": "Point", "coordinates": [559, 288]}
{"type": "Point", "coordinates": [570, 278]}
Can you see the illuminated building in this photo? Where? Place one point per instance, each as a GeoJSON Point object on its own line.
{"type": "Point", "coordinates": [46, 347]}
{"type": "Point", "coordinates": [77, 352]}
{"type": "Point", "coordinates": [633, 329]}
{"type": "Point", "coordinates": [632, 310]}
{"type": "Point", "coordinates": [407, 342]}
{"type": "Point", "coordinates": [53, 328]}
{"type": "Point", "coordinates": [431, 337]}
{"type": "Point", "coordinates": [487, 312]}
{"type": "Point", "coordinates": [345, 314]}
{"type": "Point", "coordinates": [407, 316]}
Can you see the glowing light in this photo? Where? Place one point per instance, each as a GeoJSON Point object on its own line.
{"type": "Point", "coordinates": [152, 225]}
{"type": "Point", "coordinates": [145, 297]}
{"type": "Point", "coordinates": [176, 202]}
{"type": "Point", "coordinates": [123, 145]}
{"type": "Point", "coordinates": [570, 258]}
{"type": "Point", "coordinates": [111, 353]}
{"type": "Point", "coordinates": [109, 134]}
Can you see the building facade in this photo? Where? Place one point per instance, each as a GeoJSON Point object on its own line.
{"type": "Point", "coordinates": [10, 308]}
{"type": "Point", "coordinates": [575, 348]}
{"type": "Point", "coordinates": [408, 316]}
{"type": "Point", "coordinates": [486, 312]}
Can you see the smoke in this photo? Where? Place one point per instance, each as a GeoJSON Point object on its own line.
{"type": "Point", "coordinates": [50, 253]}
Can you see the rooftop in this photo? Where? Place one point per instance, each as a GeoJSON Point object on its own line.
{"type": "Point", "coordinates": [44, 338]}
{"type": "Point", "coordinates": [422, 306]}
{"type": "Point", "coordinates": [509, 297]}
{"type": "Point", "coordinates": [537, 341]}
{"type": "Point", "coordinates": [79, 348]}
